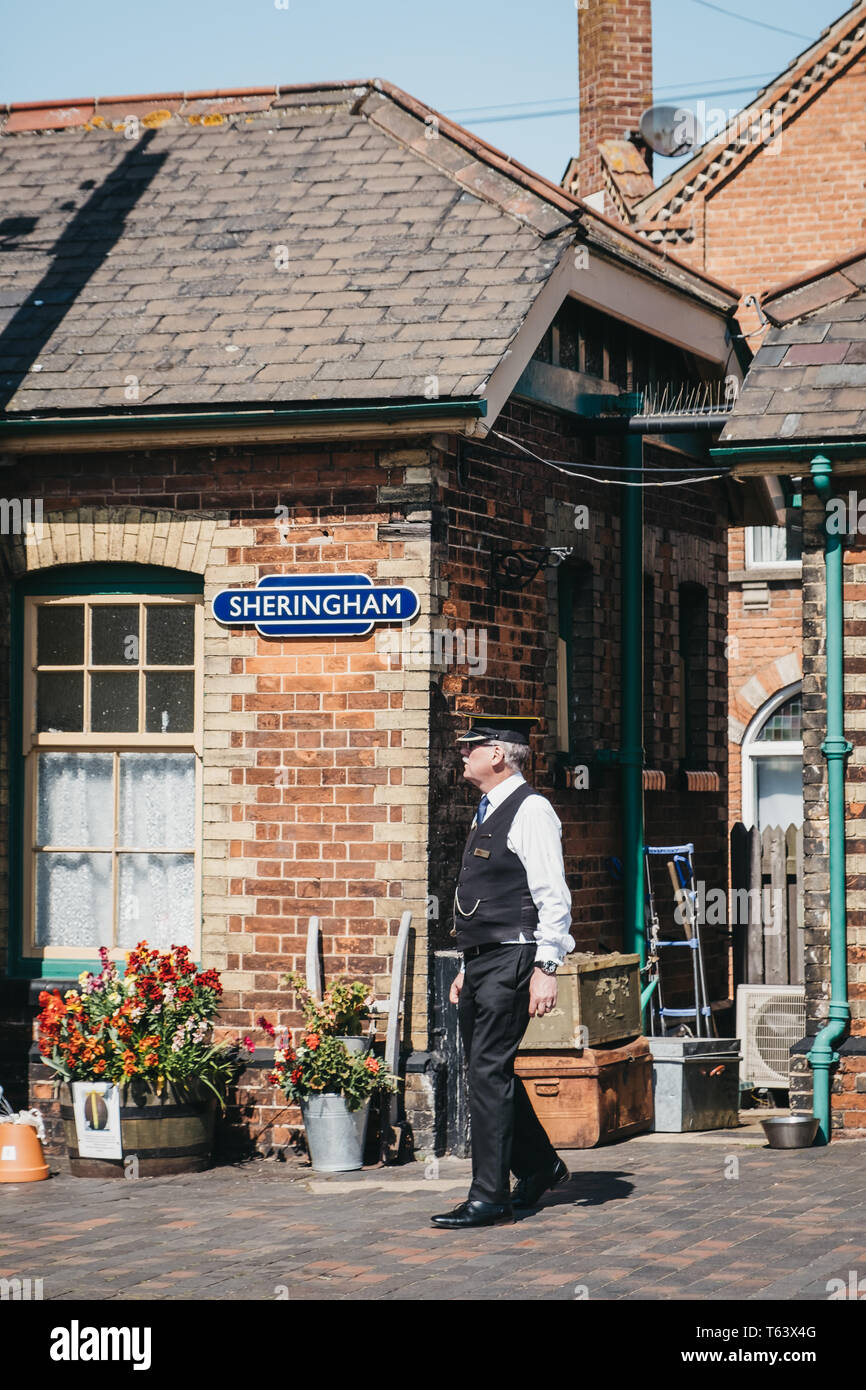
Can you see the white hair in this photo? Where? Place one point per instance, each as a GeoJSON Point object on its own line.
{"type": "Point", "coordinates": [517, 755]}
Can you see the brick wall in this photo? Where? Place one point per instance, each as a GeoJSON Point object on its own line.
{"type": "Point", "coordinates": [314, 751]}
{"type": "Point", "coordinates": [795, 203]}
{"type": "Point", "coordinates": [848, 1102]}
{"type": "Point", "coordinates": [502, 498]}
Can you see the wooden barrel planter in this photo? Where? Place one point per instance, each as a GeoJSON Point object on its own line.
{"type": "Point", "coordinates": [168, 1133]}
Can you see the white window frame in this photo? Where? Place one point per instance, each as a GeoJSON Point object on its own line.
{"type": "Point", "coordinates": [794, 566]}
{"type": "Point", "coordinates": [752, 749]}
{"type": "Point", "coordinates": [34, 742]}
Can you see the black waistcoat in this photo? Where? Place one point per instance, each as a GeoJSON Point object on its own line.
{"type": "Point", "coordinates": [492, 901]}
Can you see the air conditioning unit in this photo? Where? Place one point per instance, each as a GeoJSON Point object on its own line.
{"type": "Point", "coordinates": [770, 1019]}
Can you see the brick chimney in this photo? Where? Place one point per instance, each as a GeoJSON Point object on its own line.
{"type": "Point", "coordinates": [616, 78]}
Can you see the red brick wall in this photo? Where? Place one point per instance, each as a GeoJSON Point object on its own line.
{"type": "Point", "coordinates": [784, 212]}
{"type": "Point", "coordinates": [848, 1100]}
{"type": "Point", "coordinates": [307, 847]}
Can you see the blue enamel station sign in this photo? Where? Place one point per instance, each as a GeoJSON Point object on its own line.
{"type": "Point", "coordinates": [315, 605]}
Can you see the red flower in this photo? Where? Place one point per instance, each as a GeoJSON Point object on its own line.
{"type": "Point", "coordinates": [184, 994]}
{"type": "Point", "coordinates": [209, 979]}
{"type": "Point", "coordinates": [266, 1027]}
{"type": "Point", "coordinates": [296, 1076]}
{"type": "Point", "coordinates": [272, 1079]}
{"type": "Point", "coordinates": [312, 1041]}
{"type": "Point", "coordinates": [249, 1045]}
{"type": "Point", "coordinates": [372, 1064]}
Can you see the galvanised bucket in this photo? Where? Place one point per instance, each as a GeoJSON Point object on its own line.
{"type": "Point", "coordinates": [335, 1134]}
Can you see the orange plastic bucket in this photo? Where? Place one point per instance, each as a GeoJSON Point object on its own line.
{"type": "Point", "coordinates": [21, 1156]}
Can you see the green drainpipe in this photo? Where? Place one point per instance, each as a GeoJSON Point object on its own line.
{"type": "Point", "coordinates": [632, 752]}
{"type": "Point", "coordinates": [835, 749]}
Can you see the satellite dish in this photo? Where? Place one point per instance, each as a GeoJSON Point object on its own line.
{"type": "Point", "coordinates": [671, 130]}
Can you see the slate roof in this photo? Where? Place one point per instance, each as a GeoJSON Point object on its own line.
{"type": "Point", "coordinates": [308, 244]}
{"type": "Point", "coordinates": [808, 379]}
{"type": "Point", "coordinates": [317, 243]}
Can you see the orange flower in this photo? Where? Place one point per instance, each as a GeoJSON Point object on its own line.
{"type": "Point", "coordinates": [372, 1064]}
{"type": "Point", "coordinates": [312, 1041]}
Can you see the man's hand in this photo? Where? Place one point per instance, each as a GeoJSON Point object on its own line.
{"type": "Point", "coordinates": [542, 993]}
{"type": "Point", "coordinates": [456, 986]}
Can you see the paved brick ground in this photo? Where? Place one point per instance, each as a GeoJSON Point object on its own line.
{"type": "Point", "coordinates": [653, 1218]}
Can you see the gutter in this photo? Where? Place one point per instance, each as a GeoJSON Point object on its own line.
{"type": "Point", "coordinates": [836, 749]}
{"type": "Point", "coordinates": [829, 448]}
{"type": "Point", "coordinates": [35, 434]}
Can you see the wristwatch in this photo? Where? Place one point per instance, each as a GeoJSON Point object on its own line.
{"type": "Point", "coordinates": [548, 966]}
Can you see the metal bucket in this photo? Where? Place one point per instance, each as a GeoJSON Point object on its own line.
{"type": "Point", "coordinates": [335, 1134]}
{"type": "Point", "coordinates": [695, 1084]}
{"type": "Point", "coordinates": [791, 1131]}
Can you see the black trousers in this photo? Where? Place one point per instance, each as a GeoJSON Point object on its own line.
{"type": "Point", "coordinates": [493, 1012]}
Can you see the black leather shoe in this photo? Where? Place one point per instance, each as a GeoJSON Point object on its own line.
{"type": "Point", "coordinates": [528, 1191]}
{"type": "Point", "coordinates": [475, 1214]}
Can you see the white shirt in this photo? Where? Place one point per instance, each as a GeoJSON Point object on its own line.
{"type": "Point", "coordinates": [535, 836]}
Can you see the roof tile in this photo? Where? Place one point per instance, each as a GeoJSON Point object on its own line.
{"type": "Point", "coordinates": [819, 389]}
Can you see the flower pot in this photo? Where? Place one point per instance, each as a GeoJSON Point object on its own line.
{"type": "Point", "coordinates": [360, 1043]}
{"type": "Point", "coordinates": [21, 1155]}
{"type": "Point", "coordinates": [168, 1133]}
{"type": "Point", "coordinates": [335, 1134]}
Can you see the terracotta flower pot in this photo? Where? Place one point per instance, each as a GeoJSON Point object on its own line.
{"type": "Point", "coordinates": [21, 1156]}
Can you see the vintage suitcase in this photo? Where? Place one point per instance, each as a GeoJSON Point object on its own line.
{"type": "Point", "coordinates": [590, 1097]}
{"type": "Point", "coordinates": [598, 1001]}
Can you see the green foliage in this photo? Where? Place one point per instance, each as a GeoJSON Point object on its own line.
{"type": "Point", "coordinates": [323, 1064]}
{"type": "Point", "coordinates": [343, 1010]}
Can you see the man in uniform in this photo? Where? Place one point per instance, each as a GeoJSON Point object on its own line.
{"type": "Point", "coordinates": [512, 912]}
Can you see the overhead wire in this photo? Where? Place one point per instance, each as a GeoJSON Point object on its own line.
{"type": "Point", "coordinates": [591, 478]}
{"type": "Point", "coordinates": [747, 19]}
{"type": "Point", "coordinates": [671, 88]}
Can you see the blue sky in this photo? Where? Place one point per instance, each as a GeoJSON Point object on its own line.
{"type": "Point", "coordinates": [458, 55]}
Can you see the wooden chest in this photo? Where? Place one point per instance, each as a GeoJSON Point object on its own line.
{"type": "Point", "coordinates": [598, 1001]}
{"type": "Point", "coordinates": [590, 1097]}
